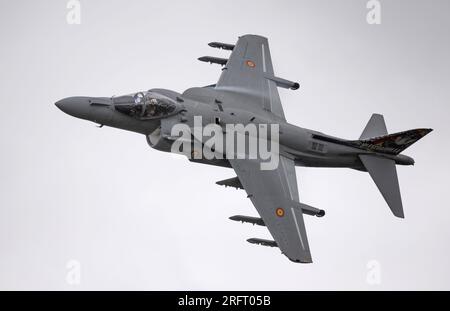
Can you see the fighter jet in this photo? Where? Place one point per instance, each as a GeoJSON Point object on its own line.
{"type": "Point", "coordinates": [247, 94]}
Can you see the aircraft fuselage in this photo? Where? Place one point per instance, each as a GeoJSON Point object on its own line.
{"type": "Point", "coordinates": [307, 147]}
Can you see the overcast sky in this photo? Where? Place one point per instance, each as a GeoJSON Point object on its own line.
{"type": "Point", "coordinates": [130, 217]}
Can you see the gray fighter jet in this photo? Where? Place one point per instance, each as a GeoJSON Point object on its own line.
{"type": "Point", "coordinates": [247, 94]}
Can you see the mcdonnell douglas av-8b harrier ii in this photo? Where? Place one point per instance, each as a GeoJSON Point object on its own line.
{"type": "Point", "coordinates": [251, 135]}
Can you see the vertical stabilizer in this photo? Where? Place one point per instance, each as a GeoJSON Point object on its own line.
{"type": "Point", "coordinates": [375, 127]}
{"type": "Point", "coordinates": [384, 174]}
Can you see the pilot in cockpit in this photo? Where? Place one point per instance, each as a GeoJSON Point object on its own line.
{"type": "Point", "coordinates": [144, 105]}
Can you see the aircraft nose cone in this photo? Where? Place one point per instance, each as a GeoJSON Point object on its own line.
{"type": "Point", "coordinates": [75, 106]}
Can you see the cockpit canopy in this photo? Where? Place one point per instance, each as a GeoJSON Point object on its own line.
{"type": "Point", "coordinates": [144, 105]}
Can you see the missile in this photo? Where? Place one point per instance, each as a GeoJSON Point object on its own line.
{"type": "Point", "coordinates": [231, 182]}
{"type": "Point", "coordinates": [248, 219]}
{"type": "Point", "coordinates": [262, 242]}
{"type": "Point", "coordinates": [220, 45]}
{"type": "Point", "coordinates": [213, 60]}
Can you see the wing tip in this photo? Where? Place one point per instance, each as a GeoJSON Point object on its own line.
{"type": "Point", "coordinates": [304, 257]}
{"type": "Point", "coordinates": [303, 260]}
{"type": "Point", "coordinates": [249, 35]}
{"type": "Point", "coordinates": [399, 214]}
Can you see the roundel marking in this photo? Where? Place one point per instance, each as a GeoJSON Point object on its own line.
{"type": "Point", "coordinates": [280, 212]}
{"type": "Point", "coordinates": [250, 64]}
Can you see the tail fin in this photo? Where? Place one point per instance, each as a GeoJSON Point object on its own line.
{"type": "Point", "coordinates": [384, 174]}
{"type": "Point", "coordinates": [375, 127]}
{"type": "Point", "coordinates": [375, 137]}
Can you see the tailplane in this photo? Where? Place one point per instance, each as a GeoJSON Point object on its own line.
{"type": "Point", "coordinates": [384, 174]}
{"type": "Point", "coordinates": [382, 169]}
{"type": "Point", "coordinates": [375, 137]}
{"type": "Point", "coordinates": [392, 143]}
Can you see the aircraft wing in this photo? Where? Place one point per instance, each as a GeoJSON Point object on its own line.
{"type": "Point", "coordinates": [248, 76]}
{"type": "Point", "coordinates": [274, 193]}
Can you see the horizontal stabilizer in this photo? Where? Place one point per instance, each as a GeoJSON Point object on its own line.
{"type": "Point", "coordinates": [213, 60]}
{"type": "Point", "coordinates": [376, 127]}
{"type": "Point", "coordinates": [262, 242]}
{"type": "Point", "coordinates": [252, 220]}
{"type": "Point", "coordinates": [384, 174]}
{"type": "Point", "coordinates": [231, 182]}
{"type": "Point", "coordinates": [220, 45]}
{"type": "Point", "coordinates": [392, 143]}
